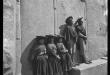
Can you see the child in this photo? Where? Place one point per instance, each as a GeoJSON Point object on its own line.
{"type": "Point", "coordinates": [66, 61]}
{"type": "Point", "coordinates": [53, 58]}
{"type": "Point", "coordinates": [39, 62]}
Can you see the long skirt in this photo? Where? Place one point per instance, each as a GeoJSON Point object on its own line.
{"type": "Point", "coordinates": [71, 46]}
{"type": "Point", "coordinates": [40, 65]}
{"type": "Point", "coordinates": [54, 66]}
{"type": "Point", "coordinates": [66, 63]}
{"type": "Point", "coordinates": [80, 51]}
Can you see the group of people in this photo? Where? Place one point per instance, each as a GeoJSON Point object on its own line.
{"type": "Point", "coordinates": [56, 54]}
{"type": "Point", "coordinates": [50, 56]}
{"type": "Point", "coordinates": [75, 35]}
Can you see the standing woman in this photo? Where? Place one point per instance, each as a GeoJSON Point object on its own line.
{"type": "Point", "coordinates": [39, 59]}
{"type": "Point", "coordinates": [53, 59]}
{"type": "Point", "coordinates": [81, 41]}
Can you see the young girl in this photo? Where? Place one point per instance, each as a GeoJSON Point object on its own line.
{"type": "Point", "coordinates": [39, 62]}
{"type": "Point", "coordinates": [66, 60]}
{"type": "Point", "coordinates": [53, 58]}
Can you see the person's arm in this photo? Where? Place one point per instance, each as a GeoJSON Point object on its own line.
{"type": "Point", "coordinates": [64, 48]}
{"type": "Point", "coordinates": [83, 36]}
{"type": "Point", "coordinates": [72, 32]}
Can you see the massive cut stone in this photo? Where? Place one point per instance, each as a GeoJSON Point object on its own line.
{"type": "Point", "coordinates": [97, 67]}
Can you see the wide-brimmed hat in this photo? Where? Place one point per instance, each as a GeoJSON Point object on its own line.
{"type": "Point", "coordinates": [40, 37]}
{"type": "Point", "coordinates": [50, 36]}
{"type": "Point", "coordinates": [68, 19]}
{"type": "Point", "coordinates": [80, 19]}
{"type": "Point", "coordinates": [60, 36]}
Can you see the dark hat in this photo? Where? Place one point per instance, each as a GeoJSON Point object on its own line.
{"type": "Point", "coordinates": [50, 36]}
{"type": "Point", "coordinates": [59, 36]}
{"type": "Point", "coordinates": [40, 37]}
{"type": "Point", "coordinates": [80, 19]}
{"type": "Point", "coordinates": [68, 19]}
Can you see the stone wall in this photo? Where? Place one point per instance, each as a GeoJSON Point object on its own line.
{"type": "Point", "coordinates": [9, 32]}
{"type": "Point", "coordinates": [38, 18]}
{"type": "Point", "coordinates": [97, 29]}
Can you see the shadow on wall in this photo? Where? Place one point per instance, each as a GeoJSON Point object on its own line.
{"type": "Point", "coordinates": [25, 60]}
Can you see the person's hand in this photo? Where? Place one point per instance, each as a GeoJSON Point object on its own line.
{"type": "Point", "coordinates": [71, 50]}
{"type": "Point", "coordinates": [58, 56]}
{"type": "Point", "coordinates": [66, 50]}
{"type": "Point", "coordinates": [85, 38]}
{"type": "Point", "coordinates": [46, 56]}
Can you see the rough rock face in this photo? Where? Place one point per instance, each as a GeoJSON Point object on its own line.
{"type": "Point", "coordinates": [7, 63]}
{"type": "Point", "coordinates": [9, 34]}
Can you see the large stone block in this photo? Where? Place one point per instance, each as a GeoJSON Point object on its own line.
{"type": "Point", "coordinates": [97, 67]}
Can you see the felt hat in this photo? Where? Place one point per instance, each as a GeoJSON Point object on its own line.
{"type": "Point", "coordinates": [40, 37]}
{"type": "Point", "coordinates": [50, 36]}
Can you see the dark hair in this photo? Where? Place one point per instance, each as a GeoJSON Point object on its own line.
{"type": "Point", "coordinates": [40, 37]}
{"type": "Point", "coordinates": [59, 37]}
{"type": "Point", "coordinates": [68, 19]}
{"type": "Point", "coordinates": [80, 21]}
{"type": "Point", "coordinates": [48, 38]}
{"type": "Point", "coordinates": [63, 40]}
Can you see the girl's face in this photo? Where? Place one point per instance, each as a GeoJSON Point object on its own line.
{"type": "Point", "coordinates": [60, 40]}
{"type": "Point", "coordinates": [80, 22]}
{"type": "Point", "coordinates": [71, 21]}
{"type": "Point", "coordinates": [52, 40]}
{"type": "Point", "coordinates": [41, 41]}
{"type": "Point", "coordinates": [43, 52]}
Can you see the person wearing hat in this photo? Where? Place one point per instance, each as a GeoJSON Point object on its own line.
{"type": "Point", "coordinates": [39, 58]}
{"type": "Point", "coordinates": [81, 41]}
{"type": "Point", "coordinates": [53, 59]}
{"type": "Point", "coordinates": [60, 44]}
{"type": "Point", "coordinates": [70, 35]}
{"type": "Point", "coordinates": [66, 61]}
{"type": "Point", "coordinates": [39, 45]}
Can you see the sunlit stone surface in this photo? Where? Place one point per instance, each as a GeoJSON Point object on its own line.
{"type": "Point", "coordinates": [9, 33]}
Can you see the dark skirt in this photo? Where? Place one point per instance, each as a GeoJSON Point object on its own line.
{"type": "Point", "coordinates": [54, 66]}
{"type": "Point", "coordinates": [40, 65]}
{"type": "Point", "coordinates": [71, 44]}
{"type": "Point", "coordinates": [80, 50]}
{"type": "Point", "coordinates": [66, 61]}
